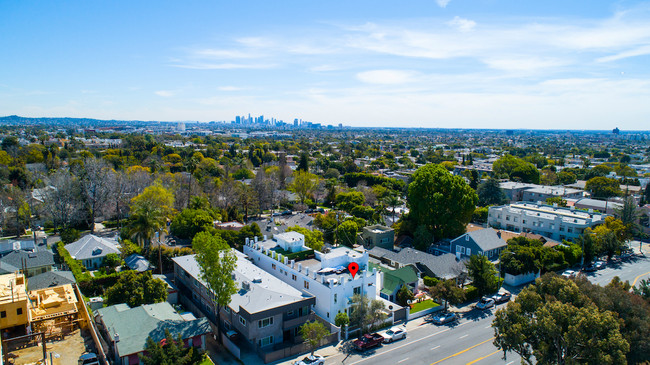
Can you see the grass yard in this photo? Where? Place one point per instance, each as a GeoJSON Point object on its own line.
{"type": "Point", "coordinates": [425, 304]}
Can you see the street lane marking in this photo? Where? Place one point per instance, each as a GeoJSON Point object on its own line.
{"type": "Point", "coordinates": [490, 326]}
{"type": "Point", "coordinates": [510, 363]}
{"type": "Point", "coordinates": [403, 360]}
{"type": "Point", "coordinates": [481, 358]}
{"type": "Point", "coordinates": [462, 352]}
{"type": "Point", "coordinates": [433, 348]}
{"type": "Point", "coordinates": [638, 277]}
{"type": "Point", "coordinates": [463, 336]}
{"type": "Point", "coordinates": [406, 344]}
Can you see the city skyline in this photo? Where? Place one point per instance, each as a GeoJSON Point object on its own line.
{"type": "Point", "coordinates": [432, 64]}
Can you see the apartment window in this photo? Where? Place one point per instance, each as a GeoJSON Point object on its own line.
{"type": "Point", "coordinates": [306, 285]}
{"type": "Point", "coordinates": [569, 230]}
{"type": "Point", "coordinates": [19, 311]}
{"type": "Point", "coordinates": [552, 226]}
{"type": "Point", "coordinates": [293, 277]}
{"type": "Point", "coordinates": [3, 314]}
{"type": "Point", "coordinates": [490, 253]}
{"type": "Point", "coordinates": [266, 341]}
{"type": "Point", "coordinates": [507, 217]}
{"type": "Point", "coordinates": [534, 224]}
{"type": "Point", "coordinates": [515, 219]}
{"type": "Point", "coordinates": [290, 313]}
{"type": "Point", "coordinates": [462, 249]}
{"type": "Point", "coordinates": [469, 252]}
{"type": "Point", "coordinates": [523, 221]}
{"type": "Point", "coordinates": [335, 298]}
{"type": "Point", "coordinates": [226, 309]}
{"type": "Point", "coordinates": [242, 321]}
{"type": "Point", "coordinates": [356, 290]}
{"type": "Point", "coordinates": [541, 224]}
{"type": "Point", "coordinates": [265, 322]}
{"type": "Point", "coordinates": [561, 228]}
{"type": "Point", "coordinates": [273, 266]}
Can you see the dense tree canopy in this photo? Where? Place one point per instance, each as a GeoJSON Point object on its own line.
{"type": "Point", "coordinates": [516, 169]}
{"type": "Point", "coordinates": [136, 289]}
{"type": "Point", "coordinates": [441, 202]}
{"type": "Point", "coordinates": [603, 187]}
{"type": "Point", "coordinates": [490, 193]}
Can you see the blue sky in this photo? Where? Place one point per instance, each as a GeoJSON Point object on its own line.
{"type": "Point", "coordinates": [437, 63]}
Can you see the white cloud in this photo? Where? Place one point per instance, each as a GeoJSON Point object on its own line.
{"type": "Point", "coordinates": [640, 51]}
{"type": "Point", "coordinates": [443, 3]}
{"type": "Point", "coordinates": [464, 25]}
{"type": "Point", "coordinates": [165, 93]}
{"type": "Point", "coordinates": [224, 66]}
{"type": "Point", "coordinates": [230, 88]}
{"type": "Point", "coordinates": [390, 77]}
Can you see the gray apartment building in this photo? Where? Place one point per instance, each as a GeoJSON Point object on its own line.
{"type": "Point", "coordinates": [265, 312]}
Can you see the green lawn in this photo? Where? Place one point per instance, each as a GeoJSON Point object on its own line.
{"type": "Point", "coordinates": [425, 304]}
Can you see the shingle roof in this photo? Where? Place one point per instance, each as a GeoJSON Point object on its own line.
{"type": "Point", "coordinates": [134, 325]}
{"type": "Point", "coordinates": [487, 239]}
{"type": "Point", "coordinates": [137, 262]}
{"type": "Point", "coordinates": [91, 246]}
{"type": "Point", "coordinates": [444, 266]}
{"type": "Point", "coordinates": [393, 279]}
{"type": "Point", "coordinates": [8, 246]}
{"type": "Point", "coordinates": [49, 279]}
{"type": "Point", "coordinates": [14, 260]}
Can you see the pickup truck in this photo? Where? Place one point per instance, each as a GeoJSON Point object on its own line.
{"type": "Point", "coordinates": [368, 341]}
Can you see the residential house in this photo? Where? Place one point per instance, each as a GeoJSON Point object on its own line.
{"type": "Point", "coordinates": [137, 263]}
{"type": "Point", "coordinates": [517, 191]}
{"type": "Point", "coordinates": [595, 205]}
{"type": "Point", "coordinates": [50, 279]}
{"type": "Point", "coordinates": [378, 235]}
{"type": "Point", "coordinates": [393, 280]}
{"type": "Point", "coordinates": [265, 311]}
{"type": "Point", "coordinates": [126, 330]}
{"type": "Point", "coordinates": [442, 266]}
{"type": "Point", "coordinates": [8, 246]}
{"type": "Point", "coordinates": [91, 250]}
{"type": "Point", "coordinates": [487, 242]}
{"type": "Point", "coordinates": [554, 222]}
{"type": "Point", "coordinates": [54, 310]}
{"type": "Point", "coordinates": [14, 313]}
{"type": "Point", "coordinates": [31, 263]}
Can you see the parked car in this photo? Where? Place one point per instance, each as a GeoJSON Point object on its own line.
{"type": "Point", "coordinates": [485, 303]}
{"type": "Point", "coordinates": [394, 334]}
{"type": "Point", "coordinates": [626, 256]}
{"type": "Point", "coordinates": [368, 341]}
{"type": "Point", "coordinates": [442, 318]}
{"type": "Point", "coordinates": [595, 266]}
{"type": "Point", "coordinates": [88, 359]}
{"type": "Point", "coordinates": [311, 360]}
{"type": "Point", "coordinates": [287, 212]}
{"type": "Point", "coordinates": [569, 274]}
{"type": "Point", "coordinates": [502, 297]}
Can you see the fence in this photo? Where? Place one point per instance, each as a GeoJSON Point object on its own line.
{"type": "Point", "coordinates": [88, 321]}
{"type": "Point", "coordinates": [12, 344]}
{"type": "Point", "coordinates": [296, 349]}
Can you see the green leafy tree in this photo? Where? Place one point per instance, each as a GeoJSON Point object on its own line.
{"type": "Point", "coordinates": [516, 169]}
{"type": "Point", "coordinates": [553, 322]}
{"type": "Point", "coordinates": [216, 262]}
{"type": "Point", "coordinates": [603, 187]}
{"type": "Point", "coordinates": [556, 200]}
{"type": "Point", "coordinates": [112, 260]}
{"type": "Point", "coordinates": [150, 212]}
{"type": "Point", "coordinates": [629, 215]}
{"type": "Point", "coordinates": [566, 177]}
{"type": "Point", "coordinates": [448, 291]}
{"type": "Point", "coordinates": [169, 351]}
{"type": "Point", "coordinates": [366, 313]}
{"type": "Point", "coordinates": [313, 333]}
{"type": "Point", "coordinates": [136, 289]}
{"type": "Point", "coordinates": [349, 200]}
{"type": "Point", "coordinates": [490, 193]}
{"type": "Point", "coordinates": [347, 233]}
{"type": "Point", "coordinates": [404, 295]}
{"type": "Point", "coordinates": [304, 184]}
{"type": "Point", "coordinates": [643, 289]}
{"type": "Point", "coordinates": [483, 274]}
{"type": "Point", "coordinates": [313, 239]}
{"type": "Point", "coordinates": [303, 163]}
{"type": "Point", "coordinates": [341, 319]}
{"type": "Point", "coordinates": [189, 222]}
{"type": "Point", "coordinates": [442, 202]}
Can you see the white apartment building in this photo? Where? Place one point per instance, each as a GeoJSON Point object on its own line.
{"type": "Point", "coordinates": [550, 221]}
{"type": "Point", "coordinates": [323, 275]}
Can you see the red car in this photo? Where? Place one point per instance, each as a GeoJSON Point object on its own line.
{"type": "Point", "coordinates": [368, 341]}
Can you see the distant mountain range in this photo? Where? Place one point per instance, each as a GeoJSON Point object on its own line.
{"type": "Point", "coordinates": [67, 122]}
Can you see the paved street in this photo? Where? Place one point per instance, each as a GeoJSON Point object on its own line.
{"type": "Point", "coordinates": [467, 342]}
{"type": "Point", "coordinates": [633, 270]}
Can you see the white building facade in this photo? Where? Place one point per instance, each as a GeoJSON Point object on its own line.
{"type": "Point", "coordinates": [316, 276]}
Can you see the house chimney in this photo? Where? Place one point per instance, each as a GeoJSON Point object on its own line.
{"type": "Point", "coordinates": [499, 234]}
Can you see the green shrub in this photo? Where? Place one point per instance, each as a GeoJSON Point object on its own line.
{"type": "Point", "coordinates": [429, 281]}
{"type": "Point", "coordinates": [300, 255]}
{"type": "Point", "coordinates": [471, 293]}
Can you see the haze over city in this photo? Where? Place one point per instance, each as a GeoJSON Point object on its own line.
{"type": "Point", "coordinates": [437, 64]}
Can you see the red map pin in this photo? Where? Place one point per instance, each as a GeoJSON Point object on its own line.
{"type": "Point", "coordinates": [354, 268]}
